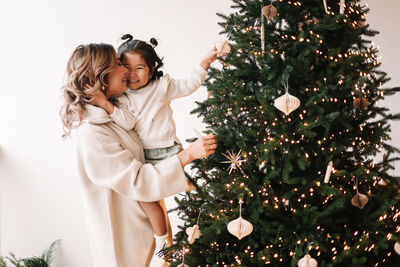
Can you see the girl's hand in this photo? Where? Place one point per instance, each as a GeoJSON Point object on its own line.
{"type": "Point", "coordinates": [100, 100]}
{"type": "Point", "coordinates": [190, 186]}
{"type": "Point", "coordinates": [202, 147]}
{"type": "Point", "coordinates": [209, 58]}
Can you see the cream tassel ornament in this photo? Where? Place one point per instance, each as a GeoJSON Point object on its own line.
{"type": "Point", "coordinates": [326, 6]}
{"type": "Point", "coordinates": [342, 6]}
{"type": "Point", "coordinates": [328, 172]}
{"type": "Point", "coordinates": [262, 33]}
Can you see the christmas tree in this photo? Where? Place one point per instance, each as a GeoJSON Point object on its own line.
{"type": "Point", "coordinates": [301, 173]}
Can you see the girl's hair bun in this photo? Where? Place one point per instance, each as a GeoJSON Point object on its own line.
{"type": "Point", "coordinates": [127, 37]}
{"type": "Point", "coordinates": [153, 41]}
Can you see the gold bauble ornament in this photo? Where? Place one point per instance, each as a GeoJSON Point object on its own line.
{"type": "Point", "coordinates": [269, 11]}
{"type": "Point", "coordinates": [359, 200]}
{"type": "Point", "coordinates": [360, 103]}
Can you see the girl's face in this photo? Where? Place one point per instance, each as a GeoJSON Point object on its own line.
{"type": "Point", "coordinates": [116, 80]}
{"type": "Point", "coordinates": [139, 72]}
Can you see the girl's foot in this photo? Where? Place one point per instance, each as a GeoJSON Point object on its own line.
{"type": "Point", "coordinates": [157, 260]}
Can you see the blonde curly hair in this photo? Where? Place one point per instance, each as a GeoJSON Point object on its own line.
{"type": "Point", "coordinates": [86, 71]}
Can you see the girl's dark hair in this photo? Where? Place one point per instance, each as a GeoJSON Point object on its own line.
{"type": "Point", "coordinates": [146, 50]}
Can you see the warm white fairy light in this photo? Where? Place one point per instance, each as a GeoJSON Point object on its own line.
{"type": "Point", "coordinates": [289, 140]}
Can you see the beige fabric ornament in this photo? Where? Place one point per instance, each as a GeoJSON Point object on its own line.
{"type": "Point", "coordinates": [361, 103]}
{"type": "Point", "coordinates": [193, 233]}
{"type": "Point", "coordinates": [240, 227]}
{"type": "Point", "coordinates": [328, 172]}
{"type": "Point", "coordinates": [269, 11]}
{"type": "Point", "coordinates": [287, 103]}
{"type": "Point", "coordinates": [397, 247]}
{"type": "Point", "coordinates": [223, 48]}
{"type": "Point", "coordinates": [359, 200]}
{"type": "Point", "coordinates": [307, 261]}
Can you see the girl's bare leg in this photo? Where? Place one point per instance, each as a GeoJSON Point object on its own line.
{"type": "Point", "coordinates": [156, 217]}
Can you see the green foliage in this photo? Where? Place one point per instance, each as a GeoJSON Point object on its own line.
{"type": "Point", "coordinates": [327, 61]}
{"type": "Point", "coordinates": [44, 260]}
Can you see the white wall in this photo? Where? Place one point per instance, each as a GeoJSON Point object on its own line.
{"type": "Point", "coordinates": [384, 18]}
{"type": "Point", "coordinates": [39, 195]}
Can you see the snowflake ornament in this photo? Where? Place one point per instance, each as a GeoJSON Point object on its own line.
{"type": "Point", "coordinates": [234, 160]}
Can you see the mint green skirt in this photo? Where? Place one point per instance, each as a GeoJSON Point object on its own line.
{"type": "Point", "coordinates": [156, 155]}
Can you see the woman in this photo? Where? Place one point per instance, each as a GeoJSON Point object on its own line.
{"type": "Point", "coordinates": [110, 161]}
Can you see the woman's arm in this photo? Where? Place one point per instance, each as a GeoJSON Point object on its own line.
{"type": "Point", "coordinates": [104, 160]}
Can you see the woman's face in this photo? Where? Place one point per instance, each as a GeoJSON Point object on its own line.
{"type": "Point", "coordinates": [116, 80]}
{"type": "Point", "coordinates": [139, 72]}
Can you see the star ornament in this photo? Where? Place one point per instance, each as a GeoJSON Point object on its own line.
{"type": "Point", "coordinates": [234, 160]}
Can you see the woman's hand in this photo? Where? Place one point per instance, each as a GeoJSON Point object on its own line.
{"type": "Point", "coordinates": [202, 147]}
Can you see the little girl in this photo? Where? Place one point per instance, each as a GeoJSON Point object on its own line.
{"type": "Point", "coordinates": [145, 108]}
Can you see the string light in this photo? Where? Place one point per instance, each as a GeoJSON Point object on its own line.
{"type": "Point", "coordinates": [270, 134]}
